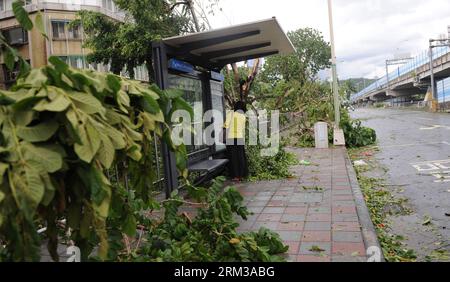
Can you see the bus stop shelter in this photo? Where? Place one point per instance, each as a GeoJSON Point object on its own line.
{"type": "Point", "coordinates": [193, 64]}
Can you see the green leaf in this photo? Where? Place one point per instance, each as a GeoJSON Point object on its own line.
{"type": "Point", "coordinates": [36, 78]}
{"type": "Point", "coordinates": [106, 153]}
{"type": "Point", "coordinates": [49, 194]}
{"type": "Point", "coordinates": [150, 105]}
{"type": "Point", "coordinates": [5, 100]}
{"type": "Point", "coordinates": [59, 104]}
{"type": "Point", "coordinates": [174, 93]}
{"type": "Point", "coordinates": [87, 103]}
{"type": "Point", "coordinates": [113, 83]}
{"type": "Point", "coordinates": [135, 153]}
{"type": "Point", "coordinates": [23, 118]}
{"type": "Point", "coordinates": [22, 15]}
{"type": "Point", "coordinates": [129, 226]}
{"type": "Point", "coordinates": [181, 157]}
{"type": "Point", "coordinates": [2, 196]}
{"type": "Point", "coordinates": [97, 186]}
{"type": "Point", "coordinates": [151, 120]}
{"type": "Point", "coordinates": [102, 209]}
{"type": "Point", "coordinates": [123, 100]}
{"type": "Point", "coordinates": [117, 138]}
{"type": "Point", "coordinates": [25, 67]}
{"type": "Point", "coordinates": [50, 158]}
{"type": "Point", "coordinates": [35, 187]}
{"type": "Point", "coordinates": [3, 168]}
{"type": "Point", "coordinates": [39, 23]}
{"type": "Point", "coordinates": [427, 220]}
{"type": "Point", "coordinates": [59, 64]}
{"type": "Point", "coordinates": [181, 104]}
{"type": "Point", "coordinates": [90, 140]}
{"type": "Point", "coordinates": [9, 58]}
{"type": "Point", "coordinates": [38, 133]}
{"type": "Point", "coordinates": [26, 103]}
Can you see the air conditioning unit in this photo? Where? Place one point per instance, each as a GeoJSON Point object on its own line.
{"type": "Point", "coordinates": [16, 36]}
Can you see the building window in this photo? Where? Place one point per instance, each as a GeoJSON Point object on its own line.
{"type": "Point", "coordinates": [108, 5]}
{"type": "Point", "coordinates": [73, 61]}
{"type": "Point", "coordinates": [74, 32]}
{"type": "Point", "coordinates": [10, 76]}
{"type": "Point", "coordinates": [6, 5]}
{"type": "Point", "coordinates": [61, 30]}
{"type": "Point", "coordinates": [58, 29]}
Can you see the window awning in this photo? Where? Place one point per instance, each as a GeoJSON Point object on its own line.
{"type": "Point", "coordinates": [215, 49]}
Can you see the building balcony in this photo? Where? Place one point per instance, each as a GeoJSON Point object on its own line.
{"type": "Point", "coordinates": [105, 7]}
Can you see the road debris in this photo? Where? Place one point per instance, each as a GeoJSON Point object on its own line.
{"type": "Point", "coordinates": [360, 163]}
{"type": "Point", "coordinates": [305, 163]}
{"type": "Point", "coordinates": [426, 220]}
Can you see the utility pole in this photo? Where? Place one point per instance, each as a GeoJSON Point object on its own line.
{"type": "Point", "coordinates": [387, 77]}
{"type": "Point", "coordinates": [433, 85]}
{"type": "Point", "coordinates": [394, 62]}
{"type": "Point", "coordinates": [337, 106]}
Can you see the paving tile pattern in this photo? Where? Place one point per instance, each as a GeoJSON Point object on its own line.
{"type": "Point", "coordinates": [314, 212]}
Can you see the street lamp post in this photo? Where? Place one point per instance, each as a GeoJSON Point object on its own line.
{"type": "Point", "coordinates": [337, 113]}
{"type": "Point", "coordinates": [339, 138]}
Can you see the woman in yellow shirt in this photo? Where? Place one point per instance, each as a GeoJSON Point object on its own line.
{"type": "Point", "coordinates": [235, 126]}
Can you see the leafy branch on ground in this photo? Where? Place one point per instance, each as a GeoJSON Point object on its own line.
{"type": "Point", "coordinates": [211, 236]}
{"type": "Point", "coordinates": [269, 167]}
{"type": "Point", "coordinates": [382, 204]}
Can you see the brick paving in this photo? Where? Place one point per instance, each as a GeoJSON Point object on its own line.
{"type": "Point", "coordinates": [314, 212]}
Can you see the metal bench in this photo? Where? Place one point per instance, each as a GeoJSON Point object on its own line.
{"type": "Point", "coordinates": [209, 169]}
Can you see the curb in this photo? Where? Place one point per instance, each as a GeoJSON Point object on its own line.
{"type": "Point", "coordinates": [368, 230]}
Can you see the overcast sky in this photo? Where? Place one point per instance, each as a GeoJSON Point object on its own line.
{"type": "Point", "coordinates": [367, 31]}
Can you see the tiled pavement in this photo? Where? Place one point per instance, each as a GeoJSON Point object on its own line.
{"type": "Point", "coordinates": [315, 212]}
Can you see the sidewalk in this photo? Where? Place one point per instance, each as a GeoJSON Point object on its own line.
{"type": "Point", "coordinates": [320, 213]}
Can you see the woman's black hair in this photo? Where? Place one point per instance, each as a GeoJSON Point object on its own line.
{"type": "Point", "coordinates": [240, 106]}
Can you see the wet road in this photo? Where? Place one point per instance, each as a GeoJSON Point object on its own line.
{"type": "Point", "coordinates": [415, 148]}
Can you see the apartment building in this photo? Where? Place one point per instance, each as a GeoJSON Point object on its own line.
{"type": "Point", "coordinates": [63, 41]}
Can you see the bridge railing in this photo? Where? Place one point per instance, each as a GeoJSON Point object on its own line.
{"type": "Point", "coordinates": [417, 62]}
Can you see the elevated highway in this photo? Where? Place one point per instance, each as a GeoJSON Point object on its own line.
{"type": "Point", "coordinates": [410, 79]}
